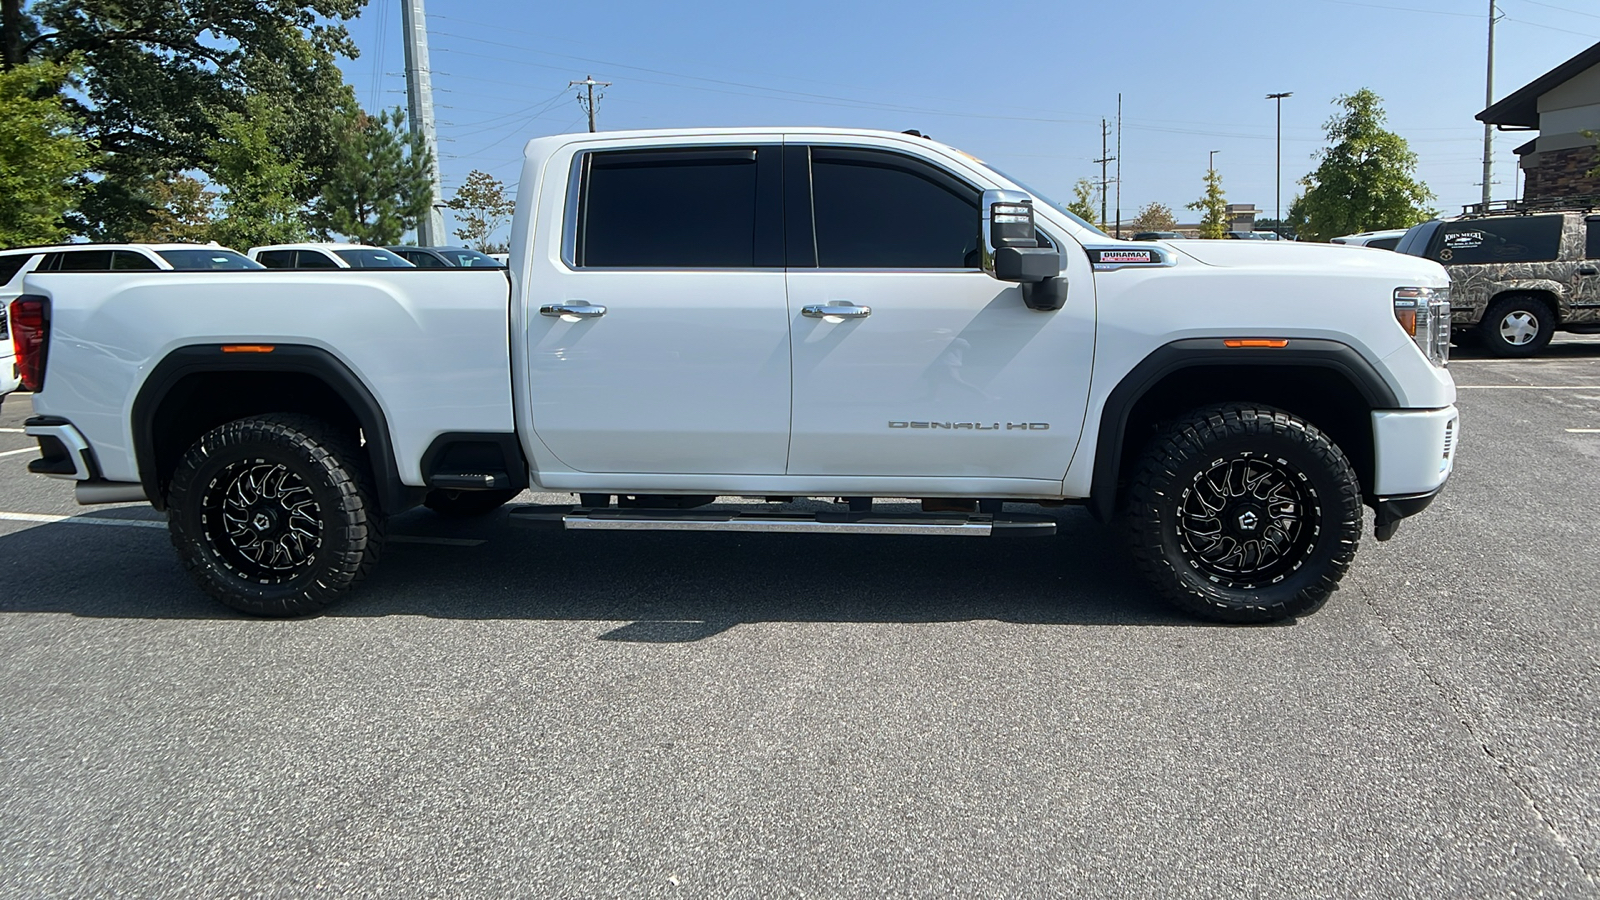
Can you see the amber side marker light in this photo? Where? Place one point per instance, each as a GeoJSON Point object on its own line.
{"type": "Point", "coordinates": [1255, 342]}
{"type": "Point", "coordinates": [248, 348]}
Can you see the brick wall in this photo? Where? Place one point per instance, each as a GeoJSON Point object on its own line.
{"type": "Point", "coordinates": [1560, 173]}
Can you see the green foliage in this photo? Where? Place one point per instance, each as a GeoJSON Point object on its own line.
{"type": "Point", "coordinates": [41, 156]}
{"type": "Point", "coordinates": [1155, 217]}
{"type": "Point", "coordinates": [1213, 207]}
{"type": "Point", "coordinates": [1082, 204]}
{"type": "Point", "coordinates": [260, 186]}
{"type": "Point", "coordinates": [481, 208]}
{"type": "Point", "coordinates": [1366, 180]}
{"type": "Point", "coordinates": [161, 76]}
{"type": "Point", "coordinates": [380, 185]}
{"type": "Point", "coordinates": [181, 212]}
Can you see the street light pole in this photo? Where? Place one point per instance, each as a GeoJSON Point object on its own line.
{"type": "Point", "coordinates": [1211, 161]}
{"type": "Point", "coordinates": [1277, 184]}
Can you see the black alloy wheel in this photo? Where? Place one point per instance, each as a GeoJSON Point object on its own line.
{"type": "Point", "coordinates": [1243, 513]}
{"type": "Point", "coordinates": [273, 515]}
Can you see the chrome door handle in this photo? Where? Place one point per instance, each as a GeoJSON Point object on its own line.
{"type": "Point", "coordinates": [578, 310]}
{"type": "Point", "coordinates": [836, 310]}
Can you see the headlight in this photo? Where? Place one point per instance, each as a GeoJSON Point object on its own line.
{"type": "Point", "coordinates": [1425, 315]}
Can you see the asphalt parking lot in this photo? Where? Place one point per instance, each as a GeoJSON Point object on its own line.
{"type": "Point", "coordinates": [505, 713]}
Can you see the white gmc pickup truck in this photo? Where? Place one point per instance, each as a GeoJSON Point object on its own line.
{"type": "Point", "coordinates": [768, 315]}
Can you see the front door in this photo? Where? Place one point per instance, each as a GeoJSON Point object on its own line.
{"type": "Point", "coordinates": [659, 344]}
{"type": "Point", "coordinates": [950, 374]}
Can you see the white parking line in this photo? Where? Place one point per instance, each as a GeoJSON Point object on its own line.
{"type": "Point", "coordinates": [13, 431]}
{"type": "Point", "coordinates": [23, 450]}
{"type": "Point", "coordinates": [45, 519]}
{"type": "Point", "coordinates": [1527, 387]}
{"type": "Point", "coordinates": [1583, 431]}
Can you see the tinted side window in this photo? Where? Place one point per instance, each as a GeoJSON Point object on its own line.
{"type": "Point", "coordinates": [878, 210]}
{"type": "Point", "coordinates": [80, 261]}
{"type": "Point", "coordinates": [276, 259]}
{"type": "Point", "coordinates": [312, 259]}
{"type": "Point", "coordinates": [11, 265]}
{"type": "Point", "coordinates": [1384, 243]}
{"type": "Point", "coordinates": [423, 260]}
{"type": "Point", "coordinates": [125, 260]}
{"type": "Point", "coordinates": [692, 208]}
{"type": "Point", "coordinates": [1519, 239]}
{"type": "Point", "coordinates": [1591, 243]}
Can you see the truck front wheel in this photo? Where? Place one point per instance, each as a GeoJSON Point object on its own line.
{"type": "Point", "coordinates": [1244, 513]}
{"type": "Point", "coordinates": [273, 514]}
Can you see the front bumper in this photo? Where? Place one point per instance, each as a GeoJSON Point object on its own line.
{"type": "Point", "coordinates": [1414, 453]}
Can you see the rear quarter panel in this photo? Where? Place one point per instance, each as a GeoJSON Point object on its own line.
{"type": "Point", "coordinates": [429, 344]}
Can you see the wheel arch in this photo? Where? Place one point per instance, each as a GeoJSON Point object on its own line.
{"type": "Point", "coordinates": [1549, 292]}
{"type": "Point", "coordinates": [1325, 382]}
{"type": "Point", "coordinates": [198, 387]}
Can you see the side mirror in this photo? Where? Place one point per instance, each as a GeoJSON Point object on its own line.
{"type": "Point", "coordinates": [1011, 250]}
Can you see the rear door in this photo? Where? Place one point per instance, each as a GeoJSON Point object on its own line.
{"type": "Point", "coordinates": [950, 374]}
{"type": "Point", "coordinates": [658, 341]}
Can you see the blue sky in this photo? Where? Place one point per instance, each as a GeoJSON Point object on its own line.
{"type": "Point", "coordinates": [1022, 85]}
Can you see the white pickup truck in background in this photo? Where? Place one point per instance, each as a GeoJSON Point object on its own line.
{"type": "Point", "coordinates": [765, 314]}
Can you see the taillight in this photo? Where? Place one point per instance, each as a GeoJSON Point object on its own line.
{"type": "Point", "coordinates": [30, 335]}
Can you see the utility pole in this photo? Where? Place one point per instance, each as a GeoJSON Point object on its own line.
{"type": "Point", "coordinates": [1119, 165]}
{"type": "Point", "coordinates": [588, 104]}
{"type": "Point", "coordinates": [419, 97]}
{"type": "Point", "coordinates": [1105, 157]}
{"type": "Point", "coordinates": [1277, 184]}
{"type": "Point", "coordinates": [1488, 101]}
{"type": "Point", "coordinates": [1211, 161]}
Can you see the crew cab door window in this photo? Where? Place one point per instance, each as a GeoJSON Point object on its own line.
{"type": "Point", "coordinates": [77, 261]}
{"type": "Point", "coordinates": [692, 208]}
{"type": "Point", "coordinates": [127, 260]}
{"type": "Point", "coordinates": [881, 210]}
{"type": "Point", "coordinates": [313, 259]}
{"type": "Point", "coordinates": [1506, 240]}
{"type": "Point", "coordinates": [276, 259]}
{"type": "Point", "coordinates": [1591, 242]}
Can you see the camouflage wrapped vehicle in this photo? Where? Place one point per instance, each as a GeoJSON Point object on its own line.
{"type": "Point", "coordinates": [1518, 274]}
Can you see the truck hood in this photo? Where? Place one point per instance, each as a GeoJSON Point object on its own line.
{"type": "Point", "coordinates": [1307, 257]}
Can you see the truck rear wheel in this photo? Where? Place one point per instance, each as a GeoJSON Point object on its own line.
{"type": "Point", "coordinates": [273, 515]}
{"type": "Point", "coordinates": [1244, 513]}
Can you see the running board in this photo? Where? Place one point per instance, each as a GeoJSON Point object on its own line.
{"type": "Point", "coordinates": [582, 519]}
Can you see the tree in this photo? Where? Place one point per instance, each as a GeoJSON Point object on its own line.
{"type": "Point", "coordinates": [481, 208]}
{"type": "Point", "coordinates": [381, 185]}
{"type": "Point", "coordinates": [260, 186]}
{"type": "Point", "coordinates": [1366, 180]}
{"type": "Point", "coordinates": [1213, 207]}
{"type": "Point", "coordinates": [41, 156]}
{"type": "Point", "coordinates": [1155, 217]}
{"type": "Point", "coordinates": [1082, 204]}
{"type": "Point", "coordinates": [160, 75]}
{"type": "Point", "coordinates": [181, 212]}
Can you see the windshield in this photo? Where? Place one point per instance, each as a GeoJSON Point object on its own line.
{"type": "Point", "coordinates": [208, 258]}
{"type": "Point", "coordinates": [464, 258]}
{"type": "Point", "coordinates": [1050, 203]}
{"type": "Point", "coordinates": [372, 258]}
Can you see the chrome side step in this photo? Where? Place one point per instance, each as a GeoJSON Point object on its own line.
{"type": "Point", "coordinates": [581, 519]}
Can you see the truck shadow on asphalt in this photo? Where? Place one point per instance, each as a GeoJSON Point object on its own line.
{"type": "Point", "coordinates": [663, 587]}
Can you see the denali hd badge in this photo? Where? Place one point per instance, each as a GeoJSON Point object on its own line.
{"type": "Point", "coordinates": [976, 426]}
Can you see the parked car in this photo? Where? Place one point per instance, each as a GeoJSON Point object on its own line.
{"type": "Point", "coordinates": [669, 346]}
{"type": "Point", "coordinates": [17, 263]}
{"type": "Point", "coordinates": [446, 258]}
{"type": "Point", "coordinates": [1157, 236]}
{"type": "Point", "coordinates": [1386, 239]}
{"type": "Point", "coordinates": [1252, 236]}
{"type": "Point", "coordinates": [1518, 273]}
{"type": "Point", "coordinates": [327, 256]}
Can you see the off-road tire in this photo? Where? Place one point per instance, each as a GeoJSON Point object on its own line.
{"type": "Point", "coordinates": [287, 482]}
{"type": "Point", "coordinates": [461, 504]}
{"type": "Point", "coordinates": [1514, 311]}
{"type": "Point", "coordinates": [1312, 493]}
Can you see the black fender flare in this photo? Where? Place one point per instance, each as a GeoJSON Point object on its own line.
{"type": "Point", "coordinates": [1196, 352]}
{"type": "Point", "coordinates": [196, 359]}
